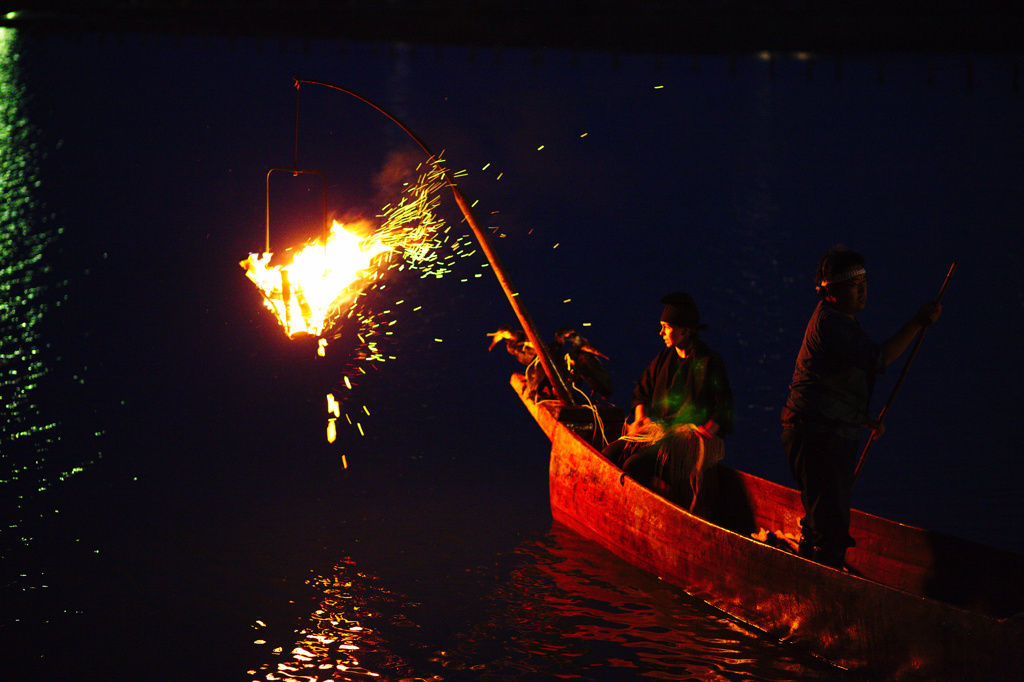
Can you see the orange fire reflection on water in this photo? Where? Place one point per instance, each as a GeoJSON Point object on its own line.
{"type": "Point", "coordinates": [331, 646]}
{"type": "Point", "coordinates": [564, 608]}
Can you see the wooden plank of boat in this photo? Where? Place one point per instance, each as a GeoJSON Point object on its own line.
{"type": "Point", "coordinates": [913, 604]}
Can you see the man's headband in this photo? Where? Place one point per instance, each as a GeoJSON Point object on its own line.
{"type": "Point", "coordinates": [844, 275]}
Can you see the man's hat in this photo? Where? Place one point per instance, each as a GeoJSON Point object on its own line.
{"type": "Point", "coordinates": [681, 311]}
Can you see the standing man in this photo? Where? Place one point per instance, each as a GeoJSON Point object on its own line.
{"type": "Point", "coordinates": [682, 406]}
{"type": "Point", "coordinates": [829, 398]}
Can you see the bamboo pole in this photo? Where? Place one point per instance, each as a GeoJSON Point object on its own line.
{"type": "Point", "coordinates": [550, 369]}
{"type": "Point", "coordinates": [899, 382]}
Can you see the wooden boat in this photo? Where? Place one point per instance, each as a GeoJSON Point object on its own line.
{"type": "Point", "coordinates": [912, 604]}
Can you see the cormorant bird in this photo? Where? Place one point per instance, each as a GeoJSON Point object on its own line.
{"type": "Point", "coordinates": [520, 346]}
{"type": "Point", "coordinates": [584, 364]}
{"type": "Point", "coordinates": [516, 343]}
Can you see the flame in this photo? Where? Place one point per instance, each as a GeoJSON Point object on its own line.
{"type": "Point", "coordinates": [323, 282]}
{"type": "Point", "coordinates": [322, 290]}
{"type": "Point", "coordinates": [313, 290]}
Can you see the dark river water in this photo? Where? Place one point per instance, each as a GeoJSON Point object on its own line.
{"type": "Point", "coordinates": [172, 509]}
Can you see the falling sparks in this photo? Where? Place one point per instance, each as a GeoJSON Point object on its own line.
{"type": "Point", "coordinates": [330, 289]}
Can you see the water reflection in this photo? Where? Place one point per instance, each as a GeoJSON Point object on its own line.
{"type": "Point", "coordinates": [27, 432]}
{"type": "Point", "coordinates": [565, 608]}
{"type": "Point", "coordinates": [338, 635]}
{"type": "Point", "coordinates": [572, 608]}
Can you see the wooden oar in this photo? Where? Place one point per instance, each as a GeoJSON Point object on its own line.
{"type": "Point", "coordinates": [899, 382]}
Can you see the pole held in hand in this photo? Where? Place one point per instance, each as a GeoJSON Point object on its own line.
{"type": "Point", "coordinates": [903, 375]}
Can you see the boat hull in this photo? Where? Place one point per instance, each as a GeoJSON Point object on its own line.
{"type": "Point", "coordinates": [852, 621]}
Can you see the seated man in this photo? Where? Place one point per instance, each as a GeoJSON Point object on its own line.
{"type": "Point", "coordinates": [682, 409]}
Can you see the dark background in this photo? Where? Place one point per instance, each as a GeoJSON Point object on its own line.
{"type": "Point", "coordinates": [206, 495]}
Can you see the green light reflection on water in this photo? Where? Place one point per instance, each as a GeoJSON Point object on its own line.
{"type": "Point", "coordinates": [27, 433]}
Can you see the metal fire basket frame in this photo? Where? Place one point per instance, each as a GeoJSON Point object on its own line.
{"type": "Point", "coordinates": [295, 173]}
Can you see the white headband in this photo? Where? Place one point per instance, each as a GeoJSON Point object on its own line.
{"type": "Point", "coordinates": [845, 275]}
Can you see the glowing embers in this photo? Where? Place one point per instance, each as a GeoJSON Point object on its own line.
{"type": "Point", "coordinates": [319, 283]}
